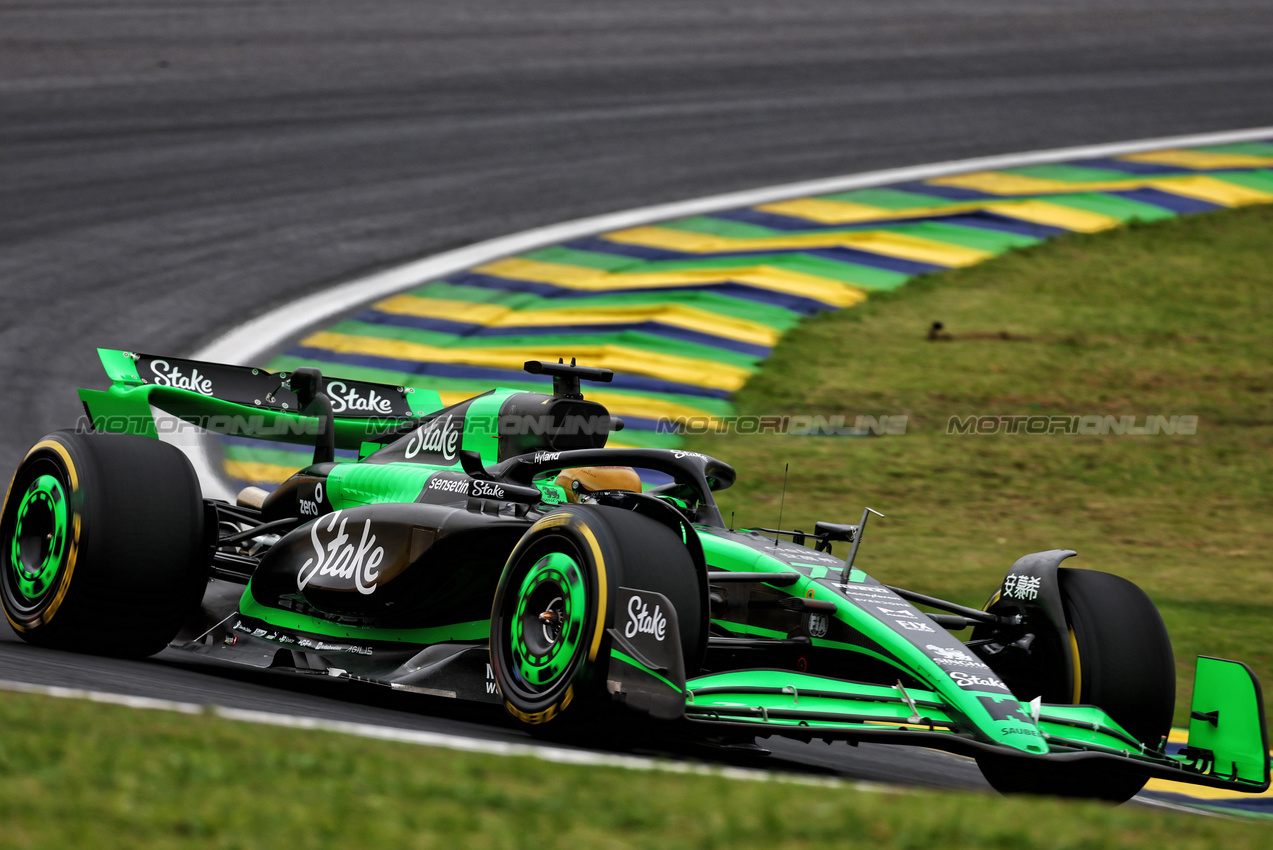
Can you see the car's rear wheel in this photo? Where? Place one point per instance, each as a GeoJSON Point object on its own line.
{"type": "Point", "coordinates": [549, 647]}
{"type": "Point", "coordinates": [102, 544]}
{"type": "Point", "coordinates": [1124, 665]}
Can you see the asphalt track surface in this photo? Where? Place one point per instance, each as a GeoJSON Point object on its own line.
{"type": "Point", "coordinates": [168, 170]}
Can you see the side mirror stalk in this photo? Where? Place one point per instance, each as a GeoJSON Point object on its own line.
{"type": "Point", "coordinates": [307, 383]}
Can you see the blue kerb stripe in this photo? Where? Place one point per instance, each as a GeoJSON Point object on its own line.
{"type": "Point", "coordinates": [1134, 168]}
{"type": "Point", "coordinates": [950, 193]}
{"type": "Point", "coordinates": [973, 220]}
{"type": "Point", "coordinates": [1169, 201]}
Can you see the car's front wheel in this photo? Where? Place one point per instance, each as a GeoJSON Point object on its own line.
{"type": "Point", "coordinates": [102, 544]}
{"type": "Point", "coordinates": [549, 647]}
{"type": "Point", "coordinates": [1123, 664]}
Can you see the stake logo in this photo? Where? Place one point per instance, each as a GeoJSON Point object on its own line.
{"type": "Point", "coordinates": [346, 398]}
{"type": "Point", "coordinates": [171, 376]}
{"type": "Point", "coordinates": [969, 680]}
{"type": "Point", "coordinates": [641, 621]}
{"type": "Point", "coordinates": [486, 489]}
{"type": "Point", "coordinates": [341, 558]}
{"type": "Point", "coordinates": [438, 435]}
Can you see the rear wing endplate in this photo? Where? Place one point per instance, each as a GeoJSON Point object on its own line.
{"type": "Point", "coordinates": [241, 400]}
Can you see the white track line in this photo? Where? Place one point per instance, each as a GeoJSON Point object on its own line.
{"type": "Point", "coordinates": [557, 755]}
{"type": "Point", "coordinates": [461, 743]}
{"type": "Point", "coordinates": [248, 343]}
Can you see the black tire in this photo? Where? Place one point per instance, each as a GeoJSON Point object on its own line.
{"type": "Point", "coordinates": [559, 681]}
{"type": "Point", "coordinates": [1124, 665]}
{"type": "Point", "coordinates": [102, 544]}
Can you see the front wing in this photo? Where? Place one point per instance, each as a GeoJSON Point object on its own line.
{"type": "Point", "coordinates": [1227, 746]}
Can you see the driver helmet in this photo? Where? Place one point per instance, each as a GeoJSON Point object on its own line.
{"type": "Point", "coordinates": [582, 482]}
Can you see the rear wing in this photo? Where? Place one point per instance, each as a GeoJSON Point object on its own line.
{"type": "Point", "coordinates": [151, 395]}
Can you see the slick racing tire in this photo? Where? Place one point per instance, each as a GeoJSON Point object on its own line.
{"type": "Point", "coordinates": [549, 645]}
{"type": "Point", "coordinates": [1123, 664]}
{"type": "Point", "coordinates": [102, 544]}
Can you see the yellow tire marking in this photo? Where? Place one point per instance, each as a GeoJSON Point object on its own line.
{"type": "Point", "coordinates": [602, 590]}
{"type": "Point", "coordinates": [1078, 670]}
{"type": "Point", "coordinates": [73, 552]}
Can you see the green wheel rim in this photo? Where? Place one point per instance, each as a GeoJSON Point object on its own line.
{"type": "Point", "coordinates": [38, 546]}
{"type": "Point", "coordinates": [548, 626]}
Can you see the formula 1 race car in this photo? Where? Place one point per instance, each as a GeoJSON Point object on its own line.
{"type": "Point", "coordinates": [495, 551]}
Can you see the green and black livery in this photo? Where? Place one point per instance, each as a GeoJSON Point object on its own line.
{"type": "Point", "coordinates": [446, 561]}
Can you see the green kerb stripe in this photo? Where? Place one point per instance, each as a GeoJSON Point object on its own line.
{"type": "Point", "coordinates": [1124, 209]}
{"type": "Point", "coordinates": [715, 302]}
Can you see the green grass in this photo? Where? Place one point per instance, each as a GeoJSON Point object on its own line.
{"type": "Point", "coordinates": [1174, 318]}
{"type": "Point", "coordinates": [80, 774]}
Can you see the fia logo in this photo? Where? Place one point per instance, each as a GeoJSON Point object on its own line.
{"type": "Point", "coordinates": [818, 625]}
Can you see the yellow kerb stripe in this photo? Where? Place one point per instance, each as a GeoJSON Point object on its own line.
{"type": "Point", "coordinates": [833, 292]}
{"type": "Point", "coordinates": [1200, 160]}
{"type": "Point", "coordinates": [1201, 791]}
{"type": "Point", "coordinates": [1039, 212]}
{"type": "Point", "coordinates": [499, 316]}
{"type": "Point", "coordinates": [1055, 215]}
{"type": "Point", "coordinates": [1202, 187]}
{"type": "Point", "coordinates": [826, 211]}
{"type": "Point", "coordinates": [690, 371]}
{"type": "Point", "coordinates": [252, 471]}
{"type": "Point", "coordinates": [875, 241]}
{"type": "Point", "coordinates": [1217, 191]}
{"type": "Point", "coordinates": [619, 405]}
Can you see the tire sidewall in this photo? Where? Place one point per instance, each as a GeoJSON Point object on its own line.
{"type": "Point", "coordinates": [136, 566]}
{"type": "Point", "coordinates": [54, 457]}
{"type": "Point", "coordinates": [582, 537]}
